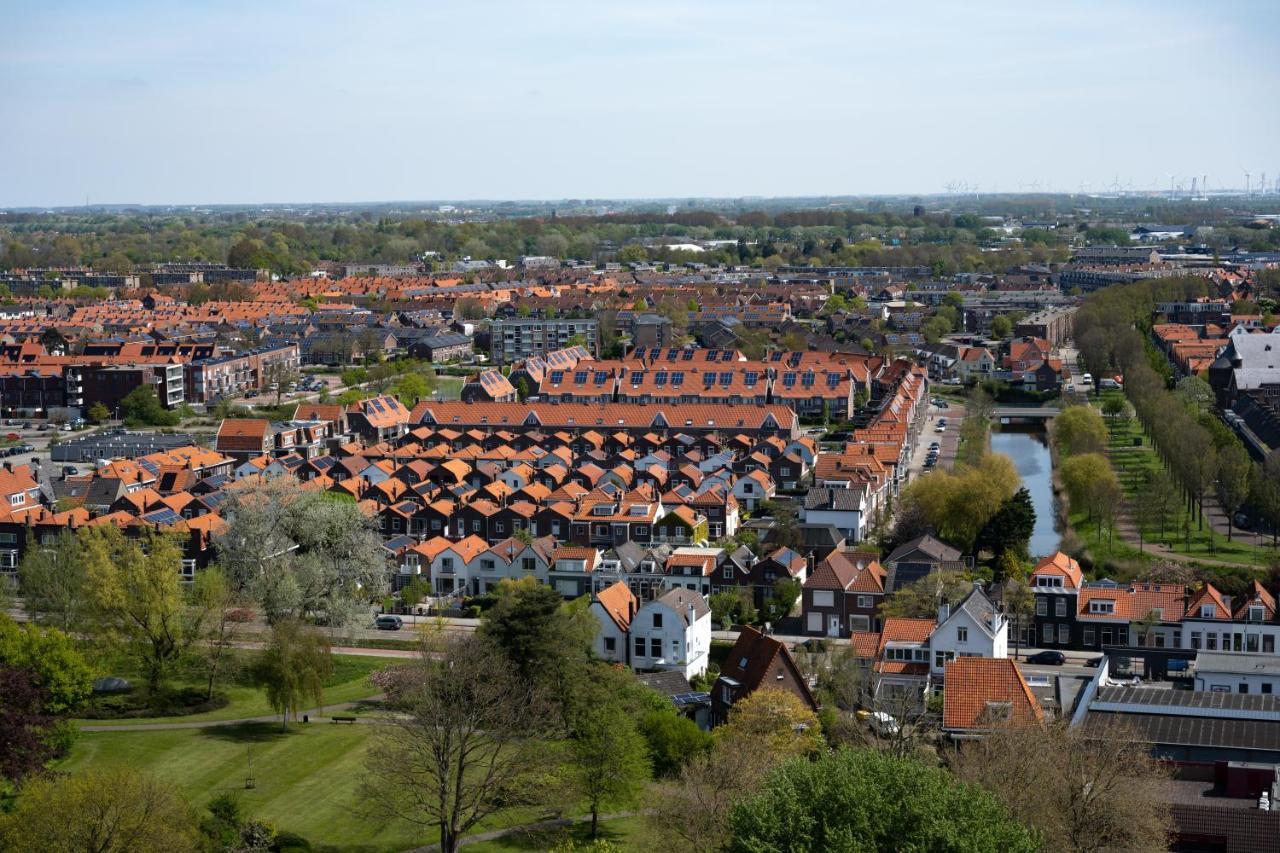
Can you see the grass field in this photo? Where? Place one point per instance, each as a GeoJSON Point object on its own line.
{"type": "Point", "coordinates": [450, 387]}
{"type": "Point", "coordinates": [306, 780]}
{"type": "Point", "coordinates": [1131, 464]}
{"type": "Point", "coordinates": [348, 683]}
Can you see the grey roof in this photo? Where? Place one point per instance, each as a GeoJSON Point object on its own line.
{"type": "Point", "coordinates": [838, 500]}
{"type": "Point", "coordinates": [1207, 703]}
{"type": "Point", "coordinates": [668, 682]}
{"type": "Point", "coordinates": [1236, 663]}
{"type": "Point", "coordinates": [1253, 735]}
{"type": "Point", "coordinates": [979, 608]}
{"type": "Point", "coordinates": [680, 600]}
{"type": "Point", "coordinates": [927, 545]}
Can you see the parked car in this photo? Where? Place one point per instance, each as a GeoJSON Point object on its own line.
{"type": "Point", "coordinates": [1048, 658]}
{"type": "Point", "coordinates": [883, 723]}
{"type": "Point", "coordinates": [1181, 665]}
{"type": "Point", "coordinates": [1095, 661]}
{"type": "Point", "coordinates": [1242, 521]}
{"type": "Point", "coordinates": [388, 622]}
{"type": "Point", "coordinates": [940, 428]}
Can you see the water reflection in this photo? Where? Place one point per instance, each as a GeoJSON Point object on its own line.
{"type": "Point", "coordinates": [1030, 454]}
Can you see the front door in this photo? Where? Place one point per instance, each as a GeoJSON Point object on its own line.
{"type": "Point", "coordinates": [833, 626]}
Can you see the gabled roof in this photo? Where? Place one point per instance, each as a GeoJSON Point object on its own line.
{"type": "Point", "coordinates": [681, 600]}
{"type": "Point", "coordinates": [619, 603]}
{"type": "Point", "coordinates": [1061, 565]}
{"type": "Point", "coordinates": [983, 692]}
{"type": "Point", "coordinates": [928, 546]}
{"type": "Point", "coordinates": [755, 657]}
{"type": "Point", "coordinates": [1208, 595]}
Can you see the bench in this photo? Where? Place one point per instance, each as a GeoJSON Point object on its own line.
{"type": "Point", "coordinates": [343, 718]}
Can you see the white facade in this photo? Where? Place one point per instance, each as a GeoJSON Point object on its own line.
{"type": "Point", "coordinates": [847, 522]}
{"type": "Point", "coordinates": [672, 633]}
{"type": "Point", "coordinates": [962, 633]}
{"type": "Point", "coordinates": [611, 641]}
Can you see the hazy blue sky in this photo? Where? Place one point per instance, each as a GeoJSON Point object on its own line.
{"type": "Point", "coordinates": [187, 102]}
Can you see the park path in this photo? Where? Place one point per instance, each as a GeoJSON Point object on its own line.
{"type": "Point", "coordinates": [316, 714]}
{"type": "Point", "coordinates": [494, 835]}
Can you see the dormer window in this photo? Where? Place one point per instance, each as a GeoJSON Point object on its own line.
{"type": "Point", "coordinates": [1257, 613]}
{"type": "Point", "coordinates": [1207, 611]}
{"type": "Point", "coordinates": [1104, 606]}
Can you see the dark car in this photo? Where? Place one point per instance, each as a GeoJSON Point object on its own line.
{"type": "Point", "coordinates": [388, 622]}
{"type": "Point", "coordinates": [1095, 661]}
{"type": "Point", "coordinates": [1048, 658]}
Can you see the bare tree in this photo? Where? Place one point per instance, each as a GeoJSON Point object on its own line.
{"type": "Point", "coordinates": [463, 745]}
{"type": "Point", "coordinates": [1085, 790]}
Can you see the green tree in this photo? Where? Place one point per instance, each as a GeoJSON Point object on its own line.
{"type": "Point", "coordinates": [293, 668]}
{"type": "Point", "coordinates": [866, 800]}
{"type": "Point", "coordinates": [141, 407]}
{"type": "Point", "coordinates": [1113, 407]}
{"type": "Point", "coordinates": [98, 412]}
{"type": "Point", "coordinates": [54, 661]}
{"type": "Point", "coordinates": [107, 810]}
{"type": "Point", "coordinates": [137, 602]}
{"type": "Point", "coordinates": [786, 592]}
{"type": "Point", "coordinates": [920, 600]}
{"type": "Point", "coordinates": [609, 759]}
{"type": "Point", "coordinates": [1235, 473]}
{"type": "Point", "coordinates": [774, 722]}
{"type": "Point", "coordinates": [54, 581]}
{"type": "Point", "coordinates": [531, 623]}
{"type": "Point", "coordinates": [958, 504]}
{"type": "Point", "coordinates": [1001, 326]}
{"type": "Point", "coordinates": [673, 741]}
{"type": "Point", "coordinates": [1010, 529]}
{"type": "Point", "coordinates": [1080, 429]}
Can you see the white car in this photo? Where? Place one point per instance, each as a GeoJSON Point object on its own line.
{"type": "Point", "coordinates": [883, 723]}
{"type": "Point", "coordinates": [940, 428]}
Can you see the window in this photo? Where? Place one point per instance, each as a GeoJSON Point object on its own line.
{"type": "Point", "coordinates": [188, 570]}
{"type": "Point", "coordinates": [8, 538]}
{"type": "Point", "coordinates": [610, 644]}
{"type": "Point", "coordinates": [728, 571]}
{"type": "Point", "coordinates": [866, 602]}
{"type": "Point", "coordinates": [1195, 639]}
{"type": "Point", "coordinates": [1206, 611]}
{"type": "Point", "coordinates": [1064, 634]}
{"type": "Point", "coordinates": [655, 647]}
{"type": "Point", "coordinates": [1257, 613]}
{"type": "Point", "coordinates": [823, 598]}
{"type": "Point", "coordinates": [1211, 641]}
{"type": "Point", "coordinates": [8, 561]}
{"type": "Point", "coordinates": [962, 634]}
{"type": "Point", "coordinates": [487, 563]}
{"type": "Point", "coordinates": [639, 647]}
{"type": "Point", "coordinates": [940, 658]}
{"type": "Point", "coordinates": [1060, 607]}
{"type": "Point", "coordinates": [528, 564]}
{"type": "Point", "coordinates": [1266, 688]}
{"type": "Point", "coordinates": [499, 527]}
{"type": "Point", "coordinates": [446, 564]}
{"type": "Point", "coordinates": [1042, 606]}
{"type": "Point", "coordinates": [1244, 687]}
{"type": "Point", "coordinates": [1269, 643]}
{"type": "Point", "coordinates": [18, 499]}
{"type": "Point", "coordinates": [435, 524]}
{"type": "Point", "coordinates": [1047, 633]}
{"type": "Point", "coordinates": [784, 472]}
{"type": "Point", "coordinates": [1102, 605]}
{"type": "Point", "coordinates": [1089, 636]}
{"type": "Point", "coordinates": [657, 620]}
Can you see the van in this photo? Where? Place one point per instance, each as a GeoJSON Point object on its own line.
{"type": "Point", "coordinates": [388, 622]}
{"type": "Point", "coordinates": [1108, 384]}
{"type": "Point", "coordinates": [1087, 379]}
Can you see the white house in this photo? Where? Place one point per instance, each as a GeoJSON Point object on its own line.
{"type": "Point", "coordinates": [753, 488]}
{"type": "Point", "coordinates": [972, 628]}
{"type": "Point", "coordinates": [452, 567]}
{"type": "Point", "coordinates": [844, 509]}
{"type": "Point", "coordinates": [1237, 672]}
{"type": "Point", "coordinates": [672, 633]}
{"type": "Point", "coordinates": [512, 559]}
{"type": "Point", "coordinates": [614, 608]}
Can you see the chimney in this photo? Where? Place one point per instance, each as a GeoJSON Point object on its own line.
{"type": "Point", "coordinates": [944, 610]}
{"type": "Point", "coordinates": [693, 617]}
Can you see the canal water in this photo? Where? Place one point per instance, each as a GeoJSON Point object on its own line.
{"type": "Point", "coordinates": [1029, 450]}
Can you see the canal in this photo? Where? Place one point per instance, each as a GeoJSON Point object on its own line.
{"type": "Point", "coordinates": [1029, 450]}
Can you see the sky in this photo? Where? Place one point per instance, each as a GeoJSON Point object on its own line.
{"type": "Point", "coordinates": [253, 101]}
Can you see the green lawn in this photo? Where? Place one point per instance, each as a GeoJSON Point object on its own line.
{"type": "Point", "coordinates": [1131, 464]}
{"type": "Point", "coordinates": [348, 683]}
{"type": "Point", "coordinates": [450, 387]}
{"type": "Point", "coordinates": [306, 780]}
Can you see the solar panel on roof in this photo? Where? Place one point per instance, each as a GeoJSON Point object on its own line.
{"type": "Point", "coordinates": [162, 516]}
{"type": "Point", "coordinates": [687, 356]}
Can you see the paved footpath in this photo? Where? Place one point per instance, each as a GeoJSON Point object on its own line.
{"type": "Point", "coordinates": [528, 827]}
{"type": "Point", "coordinates": [315, 714]}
